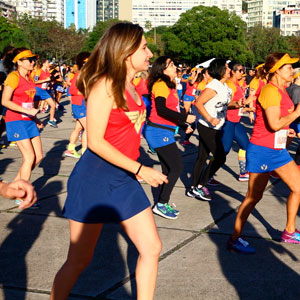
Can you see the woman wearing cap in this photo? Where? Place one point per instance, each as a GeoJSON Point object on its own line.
{"type": "Point", "coordinates": [78, 109]}
{"type": "Point", "coordinates": [18, 97]}
{"type": "Point", "coordinates": [267, 150]}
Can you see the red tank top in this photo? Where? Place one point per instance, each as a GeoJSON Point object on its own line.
{"type": "Point", "coordinates": [124, 128]}
{"type": "Point", "coordinates": [191, 89]}
{"type": "Point", "coordinates": [23, 95]}
{"type": "Point", "coordinates": [75, 97]}
{"type": "Point", "coordinates": [238, 93]}
{"type": "Point", "coordinates": [262, 134]}
{"type": "Point", "coordinates": [41, 75]}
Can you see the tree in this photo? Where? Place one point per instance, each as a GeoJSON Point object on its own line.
{"type": "Point", "coordinates": [205, 32]}
{"type": "Point", "coordinates": [97, 33]}
{"type": "Point", "coordinates": [262, 41]}
{"type": "Point", "coordinates": [11, 35]}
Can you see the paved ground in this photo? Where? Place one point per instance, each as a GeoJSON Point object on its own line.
{"type": "Point", "coordinates": [194, 262]}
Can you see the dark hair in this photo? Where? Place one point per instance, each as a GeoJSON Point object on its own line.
{"type": "Point", "coordinates": [217, 68]}
{"type": "Point", "coordinates": [157, 73]}
{"type": "Point", "coordinates": [270, 61]}
{"type": "Point", "coordinates": [233, 65]}
{"type": "Point", "coordinates": [8, 60]}
{"type": "Point", "coordinates": [80, 59]}
{"type": "Point", "coordinates": [108, 60]}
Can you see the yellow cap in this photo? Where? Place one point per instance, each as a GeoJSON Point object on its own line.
{"type": "Point", "coordinates": [23, 54]}
{"type": "Point", "coordinates": [285, 59]}
{"type": "Point", "coordinates": [259, 66]}
{"type": "Point", "coordinates": [194, 69]}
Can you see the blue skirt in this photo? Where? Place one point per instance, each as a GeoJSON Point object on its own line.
{"type": "Point", "coordinates": [99, 192]}
{"type": "Point", "coordinates": [263, 160]}
{"type": "Point", "coordinates": [21, 130]}
{"type": "Point", "coordinates": [79, 111]}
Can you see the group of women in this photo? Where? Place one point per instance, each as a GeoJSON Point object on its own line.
{"type": "Point", "coordinates": [115, 115]}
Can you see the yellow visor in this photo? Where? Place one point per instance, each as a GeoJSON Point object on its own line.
{"type": "Point", "coordinates": [296, 75]}
{"type": "Point", "coordinates": [284, 60]}
{"type": "Point", "coordinates": [23, 54]}
{"type": "Point", "coordinates": [259, 66]}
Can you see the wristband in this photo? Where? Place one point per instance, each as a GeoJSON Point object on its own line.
{"type": "Point", "coordinates": [137, 172]}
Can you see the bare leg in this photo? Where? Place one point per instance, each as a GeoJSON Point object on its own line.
{"type": "Point", "coordinates": [83, 239]}
{"type": "Point", "coordinates": [256, 187]}
{"type": "Point", "coordinates": [75, 133]}
{"type": "Point", "coordinates": [51, 103]}
{"type": "Point", "coordinates": [142, 231]}
{"type": "Point", "coordinates": [290, 174]}
{"type": "Point", "coordinates": [82, 121]}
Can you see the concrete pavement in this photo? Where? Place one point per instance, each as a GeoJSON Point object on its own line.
{"type": "Point", "coordinates": [194, 261]}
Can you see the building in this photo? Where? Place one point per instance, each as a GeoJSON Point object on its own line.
{"type": "Point", "coordinates": [114, 9]}
{"type": "Point", "coordinates": [167, 12]}
{"type": "Point", "coordinates": [7, 10]}
{"type": "Point", "coordinates": [81, 13]}
{"type": "Point", "coordinates": [288, 20]}
{"type": "Point", "coordinates": [260, 12]}
{"type": "Point", "coordinates": [46, 9]}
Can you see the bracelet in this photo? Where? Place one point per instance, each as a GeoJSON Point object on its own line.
{"type": "Point", "coordinates": [139, 169]}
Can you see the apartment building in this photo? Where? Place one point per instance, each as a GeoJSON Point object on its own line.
{"type": "Point", "coordinates": [288, 20]}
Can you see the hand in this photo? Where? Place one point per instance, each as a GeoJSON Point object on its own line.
{"type": "Point", "coordinates": [32, 111]}
{"type": "Point", "coordinates": [251, 116]}
{"type": "Point", "coordinates": [291, 133]}
{"type": "Point", "coordinates": [191, 118]}
{"type": "Point", "coordinates": [152, 176]}
{"type": "Point", "coordinates": [19, 189]}
{"type": "Point", "coordinates": [214, 121]}
{"type": "Point", "coordinates": [189, 130]}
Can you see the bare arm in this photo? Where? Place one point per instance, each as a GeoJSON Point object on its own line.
{"type": "Point", "coordinates": [6, 101]}
{"type": "Point", "coordinates": [276, 122]}
{"type": "Point", "coordinates": [204, 97]}
{"type": "Point", "coordinates": [99, 105]}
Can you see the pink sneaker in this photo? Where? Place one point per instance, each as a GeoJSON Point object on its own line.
{"type": "Point", "coordinates": [244, 177]}
{"type": "Point", "coordinates": [291, 238]}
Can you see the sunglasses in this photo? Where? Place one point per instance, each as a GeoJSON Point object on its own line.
{"type": "Point", "coordinates": [30, 59]}
{"type": "Point", "coordinates": [241, 70]}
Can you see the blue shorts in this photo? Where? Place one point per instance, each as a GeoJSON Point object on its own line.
{"type": "Point", "coordinates": [79, 111]}
{"type": "Point", "coordinates": [58, 88]}
{"type": "Point", "coordinates": [41, 94]}
{"type": "Point", "coordinates": [21, 130]}
{"type": "Point", "coordinates": [187, 98]}
{"type": "Point", "coordinates": [261, 159]}
{"type": "Point", "coordinates": [99, 192]}
{"type": "Point", "coordinates": [158, 137]}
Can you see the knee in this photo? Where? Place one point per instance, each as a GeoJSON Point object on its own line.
{"type": "Point", "coordinates": [152, 251]}
{"type": "Point", "coordinates": [38, 158]}
{"type": "Point", "coordinates": [79, 263]}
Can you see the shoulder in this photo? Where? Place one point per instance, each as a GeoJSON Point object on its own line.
{"type": "Point", "coordinates": [160, 88]}
{"type": "Point", "coordinates": [231, 85]}
{"type": "Point", "coordinates": [269, 96]}
{"type": "Point", "coordinates": [12, 79]}
{"type": "Point", "coordinates": [254, 83]}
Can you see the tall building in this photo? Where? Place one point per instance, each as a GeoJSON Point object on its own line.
{"type": "Point", "coordinates": [260, 12]}
{"type": "Point", "coordinates": [167, 12]}
{"type": "Point", "coordinates": [46, 9]}
{"type": "Point", "coordinates": [7, 10]}
{"type": "Point", "coordinates": [114, 9]}
{"type": "Point", "coordinates": [288, 20]}
{"type": "Point", "coordinates": [81, 13]}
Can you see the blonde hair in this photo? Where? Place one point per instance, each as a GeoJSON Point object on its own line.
{"type": "Point", "coordinates": [108, 59]}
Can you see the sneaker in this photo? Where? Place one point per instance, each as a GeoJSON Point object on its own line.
{"type": "Point", "coordinates": [52, 123]}
{"type": "Point", "coordinates": [173, 206]}
{"type": "Point", "coordinates": [244, 177]}
{"type": "Point", "coordinates": [240, 246]}
{"type": "Point", "coordinates": [151, 151]}
{"type": "Point", "coordinates": [213, 182]}
{"type": "Point", "coordinates": [200, 193]}
{"type": "Point", "coordinates": [12, 144]}
{"type": "Point", "coordinates": [186, 143]}
{"type": "Point", "coordinates": [72, 153]}
{"type": "Point", "coordinates": [164, 210]}
{"type": "Point", "coordinates": [47, 110]}
{"type": "Point", "coordinates": [291, 238]}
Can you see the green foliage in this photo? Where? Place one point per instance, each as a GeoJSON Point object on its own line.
{"type": "Point", "coordinates": [11, 35]}
{"type": "Point", "coordinates": [263, 41]}
{"type": "Point", "coordinates": [95, 35]}
{"type": "Point", "coordinates": [205, 32]}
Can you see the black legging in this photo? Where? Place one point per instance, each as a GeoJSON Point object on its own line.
{"type": "Point", "coordinates": [171, 164]}
{"type": "Point", "coordinates": [209, 142]}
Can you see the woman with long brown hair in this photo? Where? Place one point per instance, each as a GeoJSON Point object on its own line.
{"type": "Point", "coordinates": [267, 152]}
{"type": "Point", "coordinates": [103, 188]}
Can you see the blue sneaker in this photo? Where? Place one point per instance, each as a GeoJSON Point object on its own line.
{"type": "Point", "coordinates": [164, 210]}
{"type": "Point", "coordinates": [240, 246]}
